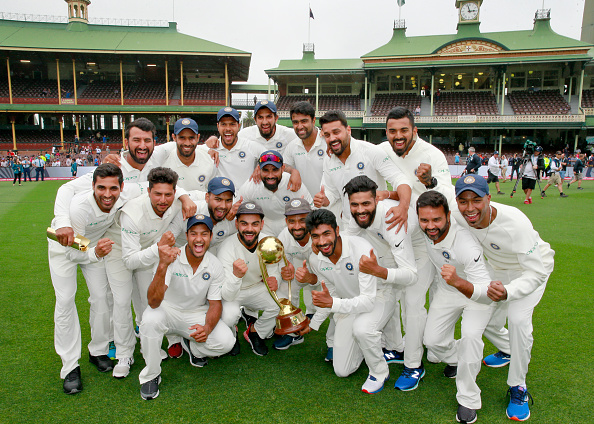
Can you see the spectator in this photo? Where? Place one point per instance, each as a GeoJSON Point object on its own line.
{"type": "Point", "coordinates": [504, 165]}
{"type": "Point", "coordinates": [17, 170]}
{"type": "Point", "coordinates": [39, 164]}
{"type": "Point", "coordinates": [578, 171]}
{"type": "Point", "coordinates": [26, 162]}
{"type": "Point", "coordinates": [457, 158]}
{"type": "Point", "coordinates": [418, 111]}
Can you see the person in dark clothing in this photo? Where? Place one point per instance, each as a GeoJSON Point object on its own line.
{"type": "Point", "coordinates": [473, 163]}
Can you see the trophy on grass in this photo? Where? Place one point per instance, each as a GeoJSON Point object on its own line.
{"type": "Point", "coordinates": [270, 251]}
{"type": "Point", "coordinates": [80, 242]}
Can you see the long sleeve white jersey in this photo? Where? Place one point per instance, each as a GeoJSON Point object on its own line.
{"type": "Point", "coordinates": [238, 164]}
{"type": "Point", "coordinates": [352, 292]}
{"type": "Point", "coordinates": [461, 250]}
{"type": "Point", "coordinates": [273, 203]}
{"type": "Point", "coordinates": [393, 249]}
{"type": "Point", "coordinates": [423, 152]}
{"type": "Point", "coordinates": [519, 258]}
{"type": "Point", "coordinates": [365, 159]}
{"type": "Point", "coordinates": [282, 136]}
{"type": "Point", "coordinates": [229, 252]}
{"type": "Point", "coordinates": [494, 165]}
{"type": "Point", "coordinates": [193, 177]}
{"type": "Point", "coordinates": [142, 228]}
{"type": "Point", "coordinates": [188, 290]}
{"type": "Point", "coordinates": [309, 164]}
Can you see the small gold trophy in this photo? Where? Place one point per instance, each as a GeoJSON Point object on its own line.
{"type": "Point", "coordinates": [80, 242]}
{"type": "Point", "coordinates": [270, 250]}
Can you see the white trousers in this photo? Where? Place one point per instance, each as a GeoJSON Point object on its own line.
{"type": "Point", "coordinates": [358, 337]}
{"type": "Point", "coordinates": [166, 319]}
{"type": "Point", "coordinates": [466, 353]}
{"type": "Point", "coordinates": [257, 298]}
{"type": "Point", "coordinates": [518, 340]}
{"type": "Point", "coordinates": [392, 333]}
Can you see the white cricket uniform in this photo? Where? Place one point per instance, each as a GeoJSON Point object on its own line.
{"type": "Point", "coordinates": [273, 203]}
{"type": "Point", "coordinates": [523, 262]}
{"type": "Point", "coordinates": [238, 164]}
{"type": "Point", "coordinates": [279, 141]}
{"type": "Point", "coordinates": [365, 159]}
{"type": "Point", "coordinates": [250, 290]}
{"type": "Point", "coordinates": [461, 250]}
{"type": "Point", "coordinates": [185, 304]}
{"type": "Point", "coordinates": [309, 164]}
{"type": "Point", "coordinates": [494, 166]}
{"type": "Point", "coordinates": [296, 254]}
{"type": "Point", "coordinates": [360, 309]}
{"type": "Point", "coordinates": [221, 230]}
{"type": "Point", "coordinates": [193, 177]}
{"type": "Point", "coordinates": [87, 220]}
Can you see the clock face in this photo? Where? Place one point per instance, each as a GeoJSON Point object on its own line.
{"type": "Point", "coordinates": [469, 11]}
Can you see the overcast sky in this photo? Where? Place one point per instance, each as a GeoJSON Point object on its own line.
{"type": "Point", "coordinates": [276, 29]}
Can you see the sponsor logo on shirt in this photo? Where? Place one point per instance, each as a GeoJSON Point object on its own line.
{"type": "Point", "coordinates": [380, 236]}
{"type": "Point", "coordinates": [335, 169]}
{"type": "Point", "coordinates": [533, 249]}
{"type": "Point", "coordinates": [326, 268]}
{"type": "Point", "coordinates": [178, 274]}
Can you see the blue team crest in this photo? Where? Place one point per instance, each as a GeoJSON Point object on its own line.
{"type": "Point", "coordinates": [242, 154]}
{"type": "Point", "coordinates": [320, 152]}
{"type": "Point", "coordinates": [445, 254]}
{"type": "Point", "coordinates": [360, 165]}
{"type": "Point", "coordinates": [201, 178]}
{"type": "Point", "coordinates": [221, 233]}
{"type": "Point", "coordinates": [494, 246]}
{"type": "Point", "coordinates": [279, 145]}
{"type": "Point", "coordinates": [349, 266]}
{"type": "Point", "coordinates": [206, 276]}
{"type": "Point", "coordinates": [286, 198]}
{"type": "Point", "coordinates": [380, 235]}
{"type": "Point", "coordinates": [469, 180]}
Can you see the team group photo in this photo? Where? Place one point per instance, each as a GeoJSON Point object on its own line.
{"type": "Point", "coordinates": [361, 239]}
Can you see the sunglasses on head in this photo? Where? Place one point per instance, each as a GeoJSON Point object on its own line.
{"type": "Point", "coordinates": [270, 158]}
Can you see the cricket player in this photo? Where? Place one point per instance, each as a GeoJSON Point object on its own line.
{"type": "Point", "coordinates": [458, 260]}
{"type": "Point", "coordinates": [521, 264]}
{"type": "Point", "coordinates": [185, 299]}
{"type": "Point", "coordinates": [360, 309]}
{"type": "Point", "coordinates": [494, 171]}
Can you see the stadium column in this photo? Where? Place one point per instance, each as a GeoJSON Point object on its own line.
{"type": "Point", "coordinates": [76, 122]}
{"type": "Point", "coordinates": [317, 91]}
{"type": "Point", "coordinates": [121, 84]}
{"type": "Point", "coordinates": [123, 126]}
{"type": "Point", "coordinates": [226, 84]}
{"type": "Point", "coordinates": [58, 79]}
{"type": "Point", "coordinates": [268, 95]}
{"type": "Point", "coordinates": [432, 90]}
{"type": "Point", "coordinates": [500, 144]}
{"type": "Point", "coordinates": [61, 124]}
{"type": "Point", "coordinates": [75, 95]}
{"type": "Point", "coordinates": [570, 88]}
{"type": "Point", "coordinates": [366, 94]}
{"type": "Point", "coordinates": [14, 146]}
{"type": "Point", "coordinates": [581, 88]}
{"type": "Point", "coordinates": [166, 87]}
{"type": "Point", "coordinates": [167, 127]}
{"type": "Point", "coordinates": [503, 92]}
{"type": "Point", "coordinates": [181, 71]}
{"type": "Point", "coordinates": [9, 80]}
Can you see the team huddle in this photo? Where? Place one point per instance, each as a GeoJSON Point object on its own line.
{"type": "Point", "coordinates": [368, 232]}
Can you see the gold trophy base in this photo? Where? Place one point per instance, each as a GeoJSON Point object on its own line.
{"type": "Point", "coordinates": [290, 320]}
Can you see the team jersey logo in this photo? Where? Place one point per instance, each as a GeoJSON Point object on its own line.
{"type": "Point", "coordinates": [242, 154]}
{"type": "Point", "coordinates": [201, 178]}
{"type": "Point", "coordinates": [445, 254]}
{"type": "Point", "coordinates": [221, 233]}
{"type": "Point", "coordinates": [469, 180]}
{"type": "Point", "coordinates": [206, 276]}
{"type": "Point", "coordinates": [349, 266]}
{"type": "Point", "coordinates": [286, 198]}
{"type": "Point", "coordinates": [320, 152]}
{"type": "Point", "coordinates": [225, 182]}
{"type": "Point", "coordinates": [494, 246]}
{"type": "Point", "coordinates": [360, 165]}
{"type": "Point", "coordinates": [279, 145]}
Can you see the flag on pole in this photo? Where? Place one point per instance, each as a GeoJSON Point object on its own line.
{"type": "Point", "coordinates": [400, 3]}
{"type": "Point", "coordinates": [311, 13]}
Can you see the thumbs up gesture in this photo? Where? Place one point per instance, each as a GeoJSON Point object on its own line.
{"type": "Point", "coordinates": [320, 200]}
{"type": "Point", "coordinates": [322, 299]}
{"type": "Point", "coordinates": [288, 272]}
{"type": "Point", "coordinates": [369, 265]}
{"type": "Point", "coordinates": [303, 275]}
{"type": "Point", "coordinates": [233, 211]}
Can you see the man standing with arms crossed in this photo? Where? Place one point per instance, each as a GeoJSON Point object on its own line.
{"type": "Point", "coordinates": [521, 264]}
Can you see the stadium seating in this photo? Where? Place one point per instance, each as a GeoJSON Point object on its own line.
{"type": "Point", "coordinates": [204, 94]}
{"type": "Point", "coordinates": [325, 102]}
{"type": "Point", "coordinates": [545, 102]}
{"type": "Point", "coordinates": [588, 98]}
{"type": "Point", "coordinates": [384, 102]}
{"type": "Point", "coordinates": [466, 103]}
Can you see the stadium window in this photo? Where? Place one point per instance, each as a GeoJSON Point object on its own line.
{"type": "Point", "coordinates": [309, 90]}
{"type": "Point", "coordinates": [534, 79]}
{"type": "Point", "coordinates": [295, 89]}
{"type": "Point", "coordinates": [551, 78]}
{"type": "Point", "coordinates": [383, 83]}
{"type": "Point", "coordinates": [518, 80]}
{"type": "Point", "coordinates": [343, 89]}
{"type": "Point", "coordinates": [396, 83]}
{"type": "Point", "coordinates": [328, 89]}
{"type": "Point", "coordinates": [409, 83]}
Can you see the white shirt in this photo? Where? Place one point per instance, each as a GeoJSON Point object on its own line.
{"type": "Point", "coordinates": [188, 290]}
{"type": "Point", "coordinates": [238, 164]}
{"type": "Point", "coordinates": [142, 228]}
{"type": "Point", "coordinates": [309, 164]}
{"type": "Point", "coordinates": [529, 171]}
{"type": "Point", "coordinates": [221, 229]}
{"type": "Point", "coordinates": [229, 252]}
{"type": "Point", "coordinates": [520, 259]}
{"type": "Point", "coordinates": [279, 141]}
{"type": "Point", "coordinates": [365, 159]}
{"type": "Point", "coordinates": [353, 292]}
{"type": "Point", "coordinates": [68, 162]}
{"type": "Point", "coordinates": [393, 249]}
{"type": "Point", "coordinates": [423, 152]}
{"type": "Point", "coordinates": [273, 203]}
{"type": "Point", "coordinates": [294, 252]}
{"type": "Point", "coordinates": [79, 162]}
{"type": "Point", "coordinates": [461, 250]}
{"type": "Point", "coordinates": [193, 177]}
{"type": "Point", "coordinates": [494, 165]}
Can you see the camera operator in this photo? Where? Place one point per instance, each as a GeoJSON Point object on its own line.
{"type": "Point", "coordinates": [530, 171]}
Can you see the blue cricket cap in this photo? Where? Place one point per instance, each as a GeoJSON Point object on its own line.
{"type": "Point", "coordinates": [183, 123]}
{"type": "Point", "coordinates": [220, 185]}
{"type": "Point", "coordinates": [200, 219]}
{"type": "Point", "coordinates": [270, 157]}
{"type": "Point", "coordinates": [474, 183]}
{"type": "Point", "coordinates": [265, 103]}
{"type": "Point", "coordinates": [228, 111]}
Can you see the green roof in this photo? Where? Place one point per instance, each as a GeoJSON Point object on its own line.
{"type": "Point", "coordinates": [309, 64]}
{"type": "Point", "coordinates": [81, 37]}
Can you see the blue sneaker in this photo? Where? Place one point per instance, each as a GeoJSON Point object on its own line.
{"type": "Point", "coordinates": [518, 409]}
{"type": "Point", "coordinates": [372, 385]}
{"type": "Point", "coordinates": [112, 350]}
{"type": "Point", "coordinates": [409, 379]}
{"type": "Point", "coordinates": [137, 332]}
{"type": "Point", "coordinates": [329, 355]}
{"type": "Point", "coordinates": [497, 360]}
{"type": "Point", "coordinates": [393, 356]}
{"type": "Point", "coordinates": [287, 341]}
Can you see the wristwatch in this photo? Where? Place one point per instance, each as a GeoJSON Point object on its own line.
{"type": "Point", "coordinates": [433, 183]}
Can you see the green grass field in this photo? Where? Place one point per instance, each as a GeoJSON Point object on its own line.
{"type": "Point", "coordinates": [295, 385]}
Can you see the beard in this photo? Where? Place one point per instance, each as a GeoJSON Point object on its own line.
{"type": "Point", "coordinates": [272, 187]}
{"type": "Point", "coordinates": [369, 221]}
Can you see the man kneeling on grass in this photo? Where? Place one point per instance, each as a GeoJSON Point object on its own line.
{"type": "Point", "coordinates": [185, 299]}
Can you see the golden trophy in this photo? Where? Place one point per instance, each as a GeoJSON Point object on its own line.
{"type": "Point", "coordinates": [80, 242]}
{"type": "Point", "coordinates": [290, 319]}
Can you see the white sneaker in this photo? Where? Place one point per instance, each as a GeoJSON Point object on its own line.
{"type": "Point", "coordinates": [373, 385]}
{"type": "Point", "coordinates": [122, 369]}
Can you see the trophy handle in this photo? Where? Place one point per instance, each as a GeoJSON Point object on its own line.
{"type": "Point", "coordinates": [289, 281]}
{"type": "Point", "coordinates": [264, 272]}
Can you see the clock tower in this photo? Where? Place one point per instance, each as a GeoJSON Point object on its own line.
{"type": "Point", "coordinates": [468, 11]}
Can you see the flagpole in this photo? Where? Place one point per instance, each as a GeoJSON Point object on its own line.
{"type": "Point", "coordinates": [308, 21]}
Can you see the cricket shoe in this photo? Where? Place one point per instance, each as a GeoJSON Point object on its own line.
{"type": "Point", "coordinates": [73, 382]}
{"type": "Point", "coordinates": [373, 385]}
{"type": "Point", "coordinates": [194, 360]}
{"type": "Point", "coordinates": [150, 389]}
{"type": "Point", "coordinates": [393, 356]}
{"type": "Point", "coordinates": [497, 360]}
{"type": "Point", "coordinates": [409, 379]}
{"type": "Point", "coordinates": [122, 369]}
{"type": "Point", "coordinates": [329, 355]}
{"type": "Point", "coordinates": [518, 409]}
{"type": "Point", "coordinates": [258, 345]}
{"type": "Point", "coordinates": [287, 341]}
{"type": "Point", "coordinates": [465, 415]}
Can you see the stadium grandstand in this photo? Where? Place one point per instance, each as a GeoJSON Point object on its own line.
{"type": "Point", "coordinates": [71, 77]}
{"type": "Point", "coordinates": [492, 90]}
